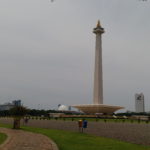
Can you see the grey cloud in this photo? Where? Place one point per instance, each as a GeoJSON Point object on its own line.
{"type": "Point", "coordinates": [47, 51]}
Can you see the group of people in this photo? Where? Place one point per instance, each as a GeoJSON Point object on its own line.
{"type": "Point", "coordinates": [82, 125]}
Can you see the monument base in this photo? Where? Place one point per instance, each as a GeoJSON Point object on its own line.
{"type": "Point", "coordinates": [97, 108]}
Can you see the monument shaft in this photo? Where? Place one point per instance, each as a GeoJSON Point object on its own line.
{"type": "Point", "coordinates": [98, 107]}
{"type": "Point", "coordinates": [98, 74]}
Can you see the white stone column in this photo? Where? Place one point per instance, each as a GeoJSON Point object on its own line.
{"type": "Point", "coordinates": [98, 74]}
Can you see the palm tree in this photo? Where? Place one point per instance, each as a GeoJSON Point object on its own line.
{"type": "Point", "coordinates": [18, 112]}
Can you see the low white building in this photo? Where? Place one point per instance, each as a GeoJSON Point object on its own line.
{"type": "Point", "coordinates": [55, 115]}
{"type": "Point", "coordinates": [6, 106]}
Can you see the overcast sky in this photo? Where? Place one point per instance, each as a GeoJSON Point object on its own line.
{"type": "Point", "coordinates": [47, 51]}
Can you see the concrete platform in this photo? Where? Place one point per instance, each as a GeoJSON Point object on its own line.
{"type": "Point", "coordinates": [97, 108]}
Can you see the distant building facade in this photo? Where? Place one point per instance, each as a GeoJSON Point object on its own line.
{"type": "Point", "coordinates": [139, 103]}
{"type": "Point", "coordinates": [8, 106]}
{"type": "Point", "coordinates": [16, 102]}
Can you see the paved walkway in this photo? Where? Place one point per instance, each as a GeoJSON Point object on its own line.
{"type": "Point", "coordinates": [22, 140]}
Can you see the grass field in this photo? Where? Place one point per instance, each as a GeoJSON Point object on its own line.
{"type": "Point", "coordinates": [67, 140]}
{"type": "Point", "coordinates": [3, 137]}
{"type": "Point", "coordinates": [79, 141]}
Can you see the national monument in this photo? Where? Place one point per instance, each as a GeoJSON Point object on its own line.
{"type": "Point", "coordinates": [98, 106]}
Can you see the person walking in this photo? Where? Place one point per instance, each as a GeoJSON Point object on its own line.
{"type": "Point", "coordinates": [80, 122]}
{"type": "Point", "coordinates": [85, 123]}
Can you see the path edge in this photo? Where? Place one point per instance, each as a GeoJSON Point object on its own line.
{"type": "Point", "coordinates": [7, 140]}
{"type": "Point", "coordinates": [54, 145]}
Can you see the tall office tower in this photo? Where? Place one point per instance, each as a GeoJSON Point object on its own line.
{"type": "Point", "coordinates": [139, 103]}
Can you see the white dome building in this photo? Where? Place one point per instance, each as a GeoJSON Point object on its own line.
{"type": "Point", "coordinates": [63, 108]}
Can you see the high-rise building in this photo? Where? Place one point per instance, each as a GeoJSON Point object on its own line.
{"type": "Point", "coordinates": [139, 102]}
{"type": "Point", "coordinates": [16, 102]}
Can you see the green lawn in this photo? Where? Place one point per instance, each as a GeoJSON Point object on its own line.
{"type": "Point", "coordinates": [67, 140]}
{"type": "Point", "coordinates": [3, 137]}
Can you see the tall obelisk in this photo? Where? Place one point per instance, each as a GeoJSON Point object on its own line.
{"type": "Point", "coordinates": [98, 106]}
{"type": "Point", "coordinates": [98, 74]}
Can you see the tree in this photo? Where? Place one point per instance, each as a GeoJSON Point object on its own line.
{"type": "Point", "coordinates": [18, 112]}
